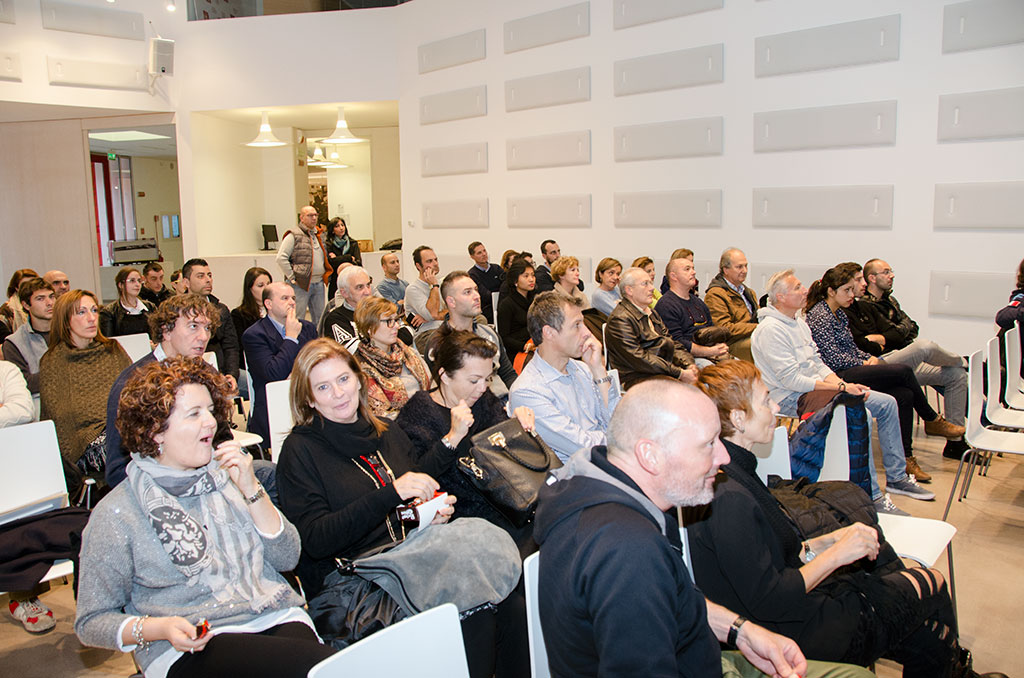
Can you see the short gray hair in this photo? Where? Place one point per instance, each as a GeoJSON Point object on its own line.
{"type": "Point", "coordinates": [647, 411]}
{"type": "Point", "coordinates": [629, 278]}
{"type": "Point", "coordinates": [725, 261]}
{"type": "Point", "coordinates": [345, 276]}
{"type": "Point", "coordinates": [777, 284]}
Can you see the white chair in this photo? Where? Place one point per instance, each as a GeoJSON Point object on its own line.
{"type": "Point", "coordinates": [31, 452]}
{"type": "Point", "coordinates": [836, 463]}
{"type": "Point", "coordinates": [279, 416]}
{"type": "Point", "coordinates": [773, 459]}
{"type": "Point", "coordinates": [246, 439]}
{"type": "Point", "coordinates": [538, 650]}
{"type": "Point", "coordinates": [211, 358]}
{"type": "Point", "coordinates": [135, 345]}
{"type": "Point", "coordinates": [1014, 382]}
{"type": "Point", "coordinates": [427, 645]}
{"type": "Point", "coordinates": [494, 307]}
{"type": "Point", "coordinates": [995, 411]}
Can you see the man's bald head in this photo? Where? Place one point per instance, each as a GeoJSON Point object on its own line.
{"type": "Point", "coordinates": [58, 280]}
{"type": "Point", "coordinates": [649, 411]}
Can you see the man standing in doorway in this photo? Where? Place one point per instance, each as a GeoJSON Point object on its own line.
{"type": "Point", "coordinates": [304, 264]}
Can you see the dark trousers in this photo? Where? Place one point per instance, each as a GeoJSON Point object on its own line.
{"type": "Point", "coordinates": [285, 651]}
{"type": "Point", "coordinates": [496, 641]}
{"type": "Point", "coordinates": [900, 382]}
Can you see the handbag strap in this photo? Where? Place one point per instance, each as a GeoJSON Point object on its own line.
{"type": "Point", "coordinates": [512, 455]}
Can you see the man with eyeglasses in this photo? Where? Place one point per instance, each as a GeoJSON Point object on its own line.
{"type": "Point", "coordinates": [303, 261]}
{"type": "Point", "coordinates": [271, 345]}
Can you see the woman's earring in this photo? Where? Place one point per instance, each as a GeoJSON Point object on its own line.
{"type": "Point", "coordinates": [160, 449]}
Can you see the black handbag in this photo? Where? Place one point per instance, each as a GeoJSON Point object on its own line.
{"type": "Point", "coordinates": [508, 465]}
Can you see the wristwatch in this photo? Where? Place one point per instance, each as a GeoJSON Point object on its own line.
{"type": "Point", "coordinates": [603, 380]}
{"type": "Point", "coordinates": [260, 493]}
{"type": "Point", "coordinates": [447, 443]}
{"type": "Point", "coordinates": [809, 553]}
{"type": "Point", "coordinates": [734, 630]}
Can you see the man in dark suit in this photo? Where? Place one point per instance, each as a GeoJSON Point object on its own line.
{"type": "Point", "coordinates": [271, 345]}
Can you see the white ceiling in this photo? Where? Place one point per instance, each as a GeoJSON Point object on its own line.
{"type": "Point", "coordinates": [317, 118]}
{"type": "Point", "coordinates": [149, 148]}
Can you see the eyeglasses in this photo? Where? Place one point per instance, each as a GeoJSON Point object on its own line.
{"type": "Point", "coordinates": [390, 322]}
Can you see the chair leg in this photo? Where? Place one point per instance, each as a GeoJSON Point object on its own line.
{"type": "Point", "coordinates": [956, 482]}
{"type": "Point", "coordinates": [952, 579]}
{"type": "Point", "coordinates": [975, 464]}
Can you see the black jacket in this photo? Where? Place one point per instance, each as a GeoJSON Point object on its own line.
{"type": "Point", "coordinates": [614, 591]}
{"type": "Point", "coordinates": [487, 283]}
{"type": "Point", "coordinates": [224, 342]}
{"type": "Point", "coordinates": [115, 321]}
{"type": "Point", "coordinates": [906, 330]}
{"type": "Point", "coordinates": [512, 321]}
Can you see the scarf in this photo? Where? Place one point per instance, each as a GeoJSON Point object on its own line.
{"type": "Point", "coordinates": [221, 550]}
{"type": "Point", "coordinates": [386, 390]}
{"type": "Point", "coordinates": [343, 243]}
{"type": "Point", "coordinates": [742, 469]}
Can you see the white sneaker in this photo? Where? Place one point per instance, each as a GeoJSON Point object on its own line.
{"type": "Point", "coordinates": [909, 488]}
{"type": "Point", "coordinates": [33, 615]}
{"type": "Point", "coordinates": [884, 505]}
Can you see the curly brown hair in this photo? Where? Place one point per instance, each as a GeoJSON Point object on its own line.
{"type": "Point", "coordinates": [181, 306]}
{"type": "Point", "coordinates": [151, 392]}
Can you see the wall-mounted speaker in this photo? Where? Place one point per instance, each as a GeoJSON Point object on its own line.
{"type": "Point", "coordinates": [161, 56]}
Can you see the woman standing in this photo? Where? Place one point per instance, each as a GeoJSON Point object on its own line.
{"type": "Point", "coordinates": [75, 377]}
{"type": "Point", "coordinates": [128, 313]}
{"type": "Point", "coordinates": [393, 370]}
{"type": "Point", "coordinates": [251, 309]}
{"type": "Point", "coordinates": [191, 537]}
{"type": "Point", "coordinates": [607, 295]}
{"type": "Point", "coordinates": [565, 273]}
{"type": "Point", "coordinates": [341, 249]}
{"type": "Point", "coordinates": [519, 284]}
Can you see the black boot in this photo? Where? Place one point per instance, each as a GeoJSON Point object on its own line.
{"type": "Point", "coordinates": [955, 449]}
{"type": "Point", "coordinates": [964, 667]}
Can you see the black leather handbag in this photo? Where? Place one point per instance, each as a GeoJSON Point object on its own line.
{"type": "Point", "coordinates": [508, 465]}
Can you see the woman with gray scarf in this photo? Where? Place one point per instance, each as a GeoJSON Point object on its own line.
{"type": "Point", "coordinates": [191, 540]}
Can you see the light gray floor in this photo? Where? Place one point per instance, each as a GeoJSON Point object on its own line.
{"type": "Point", "coordinates": [988, 552]}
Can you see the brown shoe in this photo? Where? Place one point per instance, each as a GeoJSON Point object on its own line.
{"type": "Point", "coordinates": [943, 429]}
{"type": "Point", "coordinates": [915, 470]}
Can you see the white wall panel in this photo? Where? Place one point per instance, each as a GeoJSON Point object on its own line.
{"type": "Point", "coordinates": [672, 139]}
{"type": "Point", "coordinates": [959, 293]}
{"type": "Point", "coordinates": [565, 23]}
{"type": "Point", "coordinates": [7, 12]}
{"type": "Point", "coordinates": [453, 51]}
{"type": "Point", "coordinates": [549, 150]}
{"type": "Point", "coordinates": [459, 159]}
{"type": "Point", "coordinates": [10, 66]}
{"type": "Point", "coordinates": [454, 105]}
{"type": "Point", "coordinates": [628, 13]}
{"type": "Point", "coordinates": [813, 49]}
{"type": "Point", "coordinates": [456, 214]}
{"type": "Point", "coordinates": [670, 70]}
{"type": "Point", "coordinates": [74, 73]}
{"type": "Point", "coordinates": [995, 114]}
{"type": "Point", "coordinates": [866, 124]}
{"type": "Point", "coordinates": [823, 207]}
{"type": "Point", "coordinates": [995, 204]}
{"type": "Point", "coordinates": [548, 89]}
{"type": "Point", "coordinates": [761, 272]}
{"type": "Point", "coordinates": [111, 23]}
{"type": "Point", "coordinates": [669, 209]}
{"type": "Point", "coordinates": [974, 25]}
{"type": "Point", "coordinates": [552, 211]}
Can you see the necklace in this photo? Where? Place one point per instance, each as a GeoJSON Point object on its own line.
{"type": "Point", "coordinates": [378, 483]}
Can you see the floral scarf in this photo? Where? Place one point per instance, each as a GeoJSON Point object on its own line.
{"type": "Point", "coordinates": [386, 391]}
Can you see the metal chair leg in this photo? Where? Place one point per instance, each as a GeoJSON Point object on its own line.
{"type": "Point", "coordinates": [956, 482]}
{"type": "Point", "coordinates": [952, 579]}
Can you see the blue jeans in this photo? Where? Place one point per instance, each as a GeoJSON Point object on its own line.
{"type": "Point", "coordinates": [882, 407]}
{"type": "Point", "coordinates": [314, 298]}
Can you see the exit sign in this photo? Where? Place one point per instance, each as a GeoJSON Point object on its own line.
{"type": "Point", "coordinates": [111, 156]}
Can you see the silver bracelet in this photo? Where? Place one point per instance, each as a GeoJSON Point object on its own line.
{"type": "Point", "coordinates": [603, 380]}
{"type": "Point", "coordinates": [137, 631]}
{"type": "Point", "coordinates": [260, 493]}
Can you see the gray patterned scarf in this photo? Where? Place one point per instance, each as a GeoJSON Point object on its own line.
{"type": "Point", "coordinates": [214, 544]}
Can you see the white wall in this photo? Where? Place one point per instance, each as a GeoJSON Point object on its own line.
{"type": "Point", "coordinates": [157, 178]}
{"type": "Point", "coordinates": [349, 192]}
{"type": "Point", "coordinates": [913, 165]}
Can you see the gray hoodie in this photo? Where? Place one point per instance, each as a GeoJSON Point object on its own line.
{"type": "Point", "coordinates": [786, 354]}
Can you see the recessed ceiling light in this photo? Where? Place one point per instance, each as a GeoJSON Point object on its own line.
{"type": "Point", "coordinates": [125, 135]}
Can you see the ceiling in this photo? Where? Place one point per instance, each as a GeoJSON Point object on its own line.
{"type": "Point", "coordinates": [317, 118]}
{"type": "Point", "coordinates": [149, 148]}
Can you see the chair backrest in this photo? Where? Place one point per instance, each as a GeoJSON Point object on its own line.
{"type": "Point", "coordinates": [1013, 358]}
{"type": "Point", "coordinates": [687, 556]}
{"type": "Point", "coordinates": [494, 306]}
{"type": "Point", "coordinates": [975, 395]}
{"type": "Point", "coordinates": [211, 358]}
{"type": "Point", "coordinates": [427, 645]}
{"type": "Point", "coordinates": [279, 415]}
{"type": "Point", "coordinates": [135, 345]}
{"type": "Point", "coordinates": [538, 649]}
{"type": "Point", "coordinates": [604, 345]}
{"type": "Point", "coordinates": [773, 458]}
{"type": "Point", "coordinates": [992, 404]}
{"type": "Point", "coordinates": [836, 463]}
{"type": "Point", "coordinates": [31, 455]}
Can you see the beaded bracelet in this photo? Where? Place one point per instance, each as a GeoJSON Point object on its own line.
{"type": "Point", "coordinates": [137, 632]}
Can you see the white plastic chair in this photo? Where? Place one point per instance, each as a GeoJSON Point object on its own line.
{"type": "Point", "coordinates": [994, 410]}
{"type": "Point", "coordinates": [494, 307]}
{"type": "Point", "coordinates": [1014, 381]}
{"type": "Point", "coordinates": [427, 645]}
{"type": "Point", "coordinates": [211, 358]}
{"type": "Point", "coordinates": [836, 463]}
{"type": "Point", "coordinates": [135, 345]}
{"type": "Point", "coordinates": [538, 649]}
{"type": "Point", "coordinates": [279, 416]}
{"type": "Point", "coordinates": [773, 459]}
{"type": "Point", "coordinates": [31, 453]}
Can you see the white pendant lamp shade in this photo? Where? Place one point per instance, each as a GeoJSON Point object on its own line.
{"type": "Point", "coordinates": [266, 138]}
{"type": "Point", "coordinates": [341, 134]}
{"type": "Point", "coordinates": [318, 158]}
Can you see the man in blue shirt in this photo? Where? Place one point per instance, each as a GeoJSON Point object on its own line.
{"type": "Point", "coordinates": [566, 384]}
{"type": "Point", "coordinates": [392, 287]}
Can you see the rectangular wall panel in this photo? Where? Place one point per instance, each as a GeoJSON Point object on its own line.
{"type": "Point", "coordinates": [814, 49]}
{"type": "Point", "coordinates": [994, 114]}
{"type": "Point", "coordinates": [628, 13]}
{"type": "Point", "coordinates": [453, 51]}
{"type": "Point", "coordinates": [549, 150]}
{"type": "Point", "coordinates": [562, 211]}
{"type": "Point", "coordinates": [958, 293]}
{"type": "Point", "coordinates": [761, 272]}
{"type": "Point", "coordinates": [10, 66]}
{"type": "Point", "coordinates": [460, 159]}
{"type": "Point", "coordinates": [7, 12]}
{"type": "Point", "coordinates": [453, 105]}
{"type": "Point", "coordinates": [974, 25]}
{"type": "Point", "coordinates": [73, 73]}
{"type": "Point", "coordinates": [823, 207]}
{"type": "Point", "coordinates": [867, 124]}
{"type": "Point", "coordinates": [995, 204]}
{"type": "Point", "coordinates": [456, 214]}
{"type": "Point", "coordinates": [670, 70]}
{"type": "Point", "coordinates": [669, 209]}
{"type": "Point", "coordinates": [672, 139]}
{"type": "Point", "coordinates": [565, 23]}
{"type": "Point", "coordinates": [548, 89]}
{"type": "Point", "coordinates": [111, 23]}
